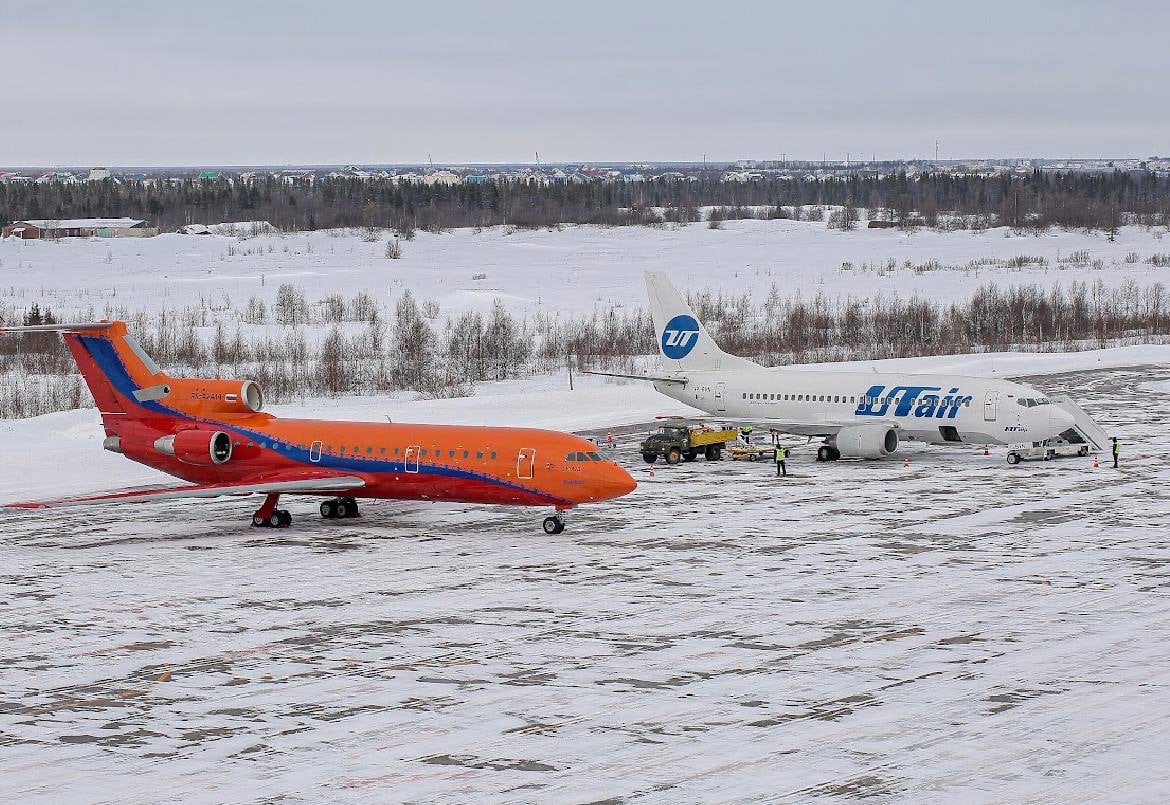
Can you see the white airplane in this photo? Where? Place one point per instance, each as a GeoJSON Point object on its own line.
{"type": "Point", "coordinates": [858, 414]}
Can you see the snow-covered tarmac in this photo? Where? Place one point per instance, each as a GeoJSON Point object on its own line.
{"type": "Point", "coordinates": [956, 631]}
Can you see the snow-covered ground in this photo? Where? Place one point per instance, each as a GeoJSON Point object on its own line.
{"type": "Point", "coordinates": [959, 630]}
{"type": "Point", "coordinates": [572, 271]}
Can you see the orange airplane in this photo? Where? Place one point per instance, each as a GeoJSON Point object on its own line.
{"type": "Point", "coordinates": [214, 434]}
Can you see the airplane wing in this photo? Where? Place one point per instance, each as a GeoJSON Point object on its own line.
{"type": "Point", "coordinates": [292, 484]}
{"type": "Point", "coordinates": [824, 428]}
{"type": "Point", "coordinates": [652, 378]}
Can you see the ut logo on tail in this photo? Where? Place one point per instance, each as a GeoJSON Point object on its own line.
{"type": "Point", "coordinates": [680, 336]}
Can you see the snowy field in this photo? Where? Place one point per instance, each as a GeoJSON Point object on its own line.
{"type": "Point", "coordinates": [573, 271]}
{"type": "Point", "coordinates": [957, 631]}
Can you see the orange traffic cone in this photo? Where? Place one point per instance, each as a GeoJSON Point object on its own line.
{"type": "Point", "coordinates": [651, 472]}
{"type": "Point", "coordinates": [905, 462]}
{"type": "Point", "coordinates": [609, 438]}
{"type": "Point", "coordinates": [1096, 463]}
{"type": "Point", "coordinates": [986, 452]}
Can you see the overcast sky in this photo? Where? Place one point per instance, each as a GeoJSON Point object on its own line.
{"type": "Point", "coordinates": [122, 82]}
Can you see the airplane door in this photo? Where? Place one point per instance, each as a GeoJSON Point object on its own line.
{"type": "Point", "coordinates": [720, 396]}
{"type": "Point", "coordinates": [989, 404]}
{"type": "Point", "coordinates": [315, 452]}
{"type": "Point", "coordinates": [412, 458]}
{"type": "Point", "coordinates": [525, 463]}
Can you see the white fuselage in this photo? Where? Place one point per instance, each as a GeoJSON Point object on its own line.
{"type": "Point", "coordinates": [939, 409]}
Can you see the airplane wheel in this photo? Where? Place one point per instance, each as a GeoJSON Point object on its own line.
{"type": "Point", "coordinates": [285, 518]}
{"type": "Point", "coordinates": [329, 510]}
{"type": "Point", "coordinates": [257, 521]}
{"type": "Point", "coordinates": [275, 520]}
{"type": "Point", "coordinates": [834, 454]}
{"type": "Point", "coordinates": [824, 453]}
{"type": "Point", "coordinates": [348, 508]}
{"type": "Point", "coordinates": [553, 525]}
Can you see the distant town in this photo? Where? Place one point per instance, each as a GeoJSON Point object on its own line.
{"type": "Point", "coordinates": [579, 173]}
{"type": "Point", "coordinates": [979, 193]}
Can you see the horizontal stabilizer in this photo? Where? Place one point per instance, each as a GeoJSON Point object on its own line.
{"type": "Point", "coordinates": [651, 378]}
{"type": "Point", "coordinates": [291, 485]}
{"type": "Point", "coordinates": [59, 328]}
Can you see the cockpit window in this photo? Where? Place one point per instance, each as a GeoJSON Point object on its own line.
{"type": "Point", "coordinates": [595, 457]}
{"type": "Point", "coordinates": [571, 457]}
{"type": "Point", "coordinates": [582, 457]}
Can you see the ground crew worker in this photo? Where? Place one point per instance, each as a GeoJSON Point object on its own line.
{"type": "Point", "coordinates": [781, 457]}
{"type": "Point", "coordinates": [746, 432]}
{"type": "Point", "coordinates": [1116, 451]}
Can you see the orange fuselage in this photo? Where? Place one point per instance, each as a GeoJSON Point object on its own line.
{"type": "Point", "coordinates": [168, 423]}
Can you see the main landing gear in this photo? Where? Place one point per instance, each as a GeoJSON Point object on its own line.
{"type": "Point", "coordinates": [339, 508]}
{"type": "Point", "coordinates": [826, 452]}
{"type": "Point", "coordinates": [268, 516]}
{"type": "Point", "coordinates": [554, 524]}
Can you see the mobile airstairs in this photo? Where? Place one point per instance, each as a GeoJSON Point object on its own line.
{"type": "Point", "coordinates": [1085, 428]}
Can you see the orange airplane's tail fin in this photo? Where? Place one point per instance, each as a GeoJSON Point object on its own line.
{"type": "Point", "coordinates": [120, 375]}
{"type": "Point", "coordinates": [125, 381]}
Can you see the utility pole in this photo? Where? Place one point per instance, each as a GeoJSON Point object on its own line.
{"type": "Point", "coordinates": [936, 150]}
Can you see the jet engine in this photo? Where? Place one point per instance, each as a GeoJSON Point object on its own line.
{"type": "Point", "coordinates": [204, 448]}
{"type": "Point", "coordinates": [211, 397]}
{"type": "Point", "coordinates": [867, 441]}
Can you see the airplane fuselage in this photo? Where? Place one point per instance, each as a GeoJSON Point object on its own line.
{"type": "Point", "coordinates": [938, 409]}
{"type": "Point", "coordinates": [466, 464]}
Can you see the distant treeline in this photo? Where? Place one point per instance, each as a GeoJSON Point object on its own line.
{"type": "Point", "coordinates": [1038, 199]}
{"type": "Point", "coordinates": [355, 346]}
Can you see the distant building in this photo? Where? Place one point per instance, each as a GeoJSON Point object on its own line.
{"type": "Point", "coordinates": [79, 228]}
{"type": "Point", "coordinates": [98, 174]}
{"type": "Point", "coordinates": [443, 177]}
{"type": "Point", "coordinates": [64, 177]}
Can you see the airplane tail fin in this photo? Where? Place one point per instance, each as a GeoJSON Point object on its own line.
{"type": "Point", "coordinates": [683, 341]}
{"type": "Point", "coordinates": [121, 376]}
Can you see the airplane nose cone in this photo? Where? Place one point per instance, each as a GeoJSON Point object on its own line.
{"type": "Point", "coordinates": [620, 482]}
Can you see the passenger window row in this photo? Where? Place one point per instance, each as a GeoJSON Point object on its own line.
{"type": "Point", "coordinates": [368, 450]}
{"type": "Point", "coordinates": [831, 398]}
{"type": "Point", "coordinates": [844, 398]}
